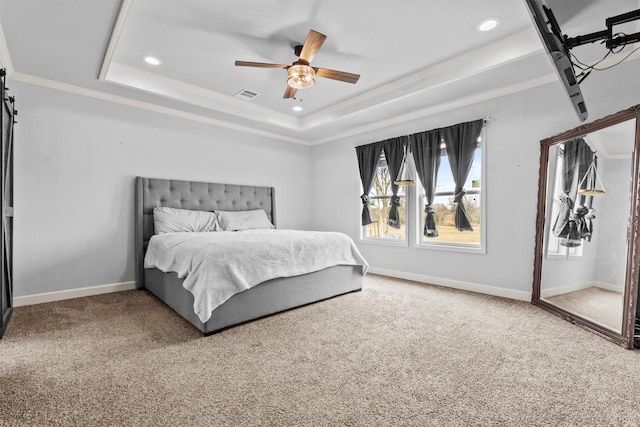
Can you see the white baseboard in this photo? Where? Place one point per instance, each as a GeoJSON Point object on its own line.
{"type": "Point", "coordinates": [439, 281]}
{"type": "Point", "coordinates": [72, 293]}
{"type": "Point", "coordinates": [456, 284]}
{"type": "Point", "coordinates": [610, 287]}
{"type": "Point", "coordinates": [547, 293]}
{"type": "Point", "coordinates": [559, 290]}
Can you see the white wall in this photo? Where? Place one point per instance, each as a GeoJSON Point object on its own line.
{"type": "Point", "coordinates": [75, 163]}
{"type": "Point", "coordinates": [519, 122]}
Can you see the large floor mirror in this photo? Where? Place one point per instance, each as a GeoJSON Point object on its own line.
{"type": "Point", "coordinates": [586, 257]}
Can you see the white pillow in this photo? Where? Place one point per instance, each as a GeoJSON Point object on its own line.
{"type": "Point", "coordinates": [171, 220]}
{"type": "Point", "coordinates": [243, 220]}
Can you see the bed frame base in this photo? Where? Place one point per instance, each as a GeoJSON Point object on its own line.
{"type": "Point", "coordinates": [206, 334]}
{"type": "Point", "coordinates": [270, 297]}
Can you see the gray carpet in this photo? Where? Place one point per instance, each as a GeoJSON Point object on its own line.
{"type": "Point", "coordinates": [397, 353]}
{"type": "Point", "coordinates": [596, 304]}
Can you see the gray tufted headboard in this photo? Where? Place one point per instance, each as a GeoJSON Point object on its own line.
{"type": "Point", "coordinates": [202, 196]}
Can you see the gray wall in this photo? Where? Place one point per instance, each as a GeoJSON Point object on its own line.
{"type": "Point", "coordinates": [75, 163]}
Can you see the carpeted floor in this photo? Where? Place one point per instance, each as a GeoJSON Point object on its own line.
{"type": "Point", "coordinates": [597, 304]}
{"type": "Point", "coordinates": [397, 353]}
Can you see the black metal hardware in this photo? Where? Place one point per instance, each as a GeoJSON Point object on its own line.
{"type": "Point", "coordinates": [611, 41]}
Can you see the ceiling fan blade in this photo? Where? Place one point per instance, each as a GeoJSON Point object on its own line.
{"type": "Point", "coordinates": [342, 76]}
{"type": "Point", "coordinates": [259, 65]}
{"type": "Point", "coordinates": [311, 45]}
{"type": "Point", "coordinates": [290, 92]}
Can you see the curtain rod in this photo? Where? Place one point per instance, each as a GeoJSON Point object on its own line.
{"type": "Point", "coordinates": [485, 120]}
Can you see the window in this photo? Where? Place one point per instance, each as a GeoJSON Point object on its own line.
{"type": "Point", "coordinates": [379, 205]}
{"type": "Point", "coordinates": [445, 207]}
{"type": "Point", "coordinates": [467, 139]}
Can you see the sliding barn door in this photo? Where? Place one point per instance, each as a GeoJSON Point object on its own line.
{"type": "Point", "coordinates": [6, 199]}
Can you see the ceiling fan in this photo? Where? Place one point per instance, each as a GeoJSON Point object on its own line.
{"type": "Point", "coordinates": [300, 74]}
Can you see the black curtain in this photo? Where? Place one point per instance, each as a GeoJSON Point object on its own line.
{"type": "Point", "coordinates": [425, 147]}
{"type": "Point", "coordinates": [580, 219]}
{"type": "Point", "coordinates": [461, 141]}
{"type": "Point", "coordinates": [569, 162]}
{"type": "Point", "coordinates": [368, 157]}
{"type": "Point", "coordinates": [574, 222]}
{"type": "Point", "coordinates": [393, 152]}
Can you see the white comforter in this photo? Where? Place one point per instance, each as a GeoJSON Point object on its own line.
{"type": "Point", "coordinates": [217, 265]}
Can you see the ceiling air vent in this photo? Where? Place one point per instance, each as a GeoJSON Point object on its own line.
{"type": "Point", "coordinates": [246, 94]}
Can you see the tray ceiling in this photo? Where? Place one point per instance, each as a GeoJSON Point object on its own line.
{"type": "Point", "coordinates": [415, 58]}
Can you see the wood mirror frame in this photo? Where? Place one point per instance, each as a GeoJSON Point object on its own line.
{"type": "Point", "coordinates": [625, 337]}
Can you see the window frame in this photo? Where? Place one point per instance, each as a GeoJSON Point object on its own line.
{"type": "Point", "coordinates": [418, 210]}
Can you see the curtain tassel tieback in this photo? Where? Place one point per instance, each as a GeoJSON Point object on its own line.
{"type": "Point", "coordinates": [581, 216]}
{"type": "Point", "coordinates": [458, 196]}
{"type": "Point", "coordinates": [430, 228]}
{"type": "Point", "coordinates": [395, 200]}
{"type": "Point", "coordinates": [365, 199]}
{"type": "Point", "coordinates": [578, 229]}
{"type": "Point", "coordinates": [588, 220]}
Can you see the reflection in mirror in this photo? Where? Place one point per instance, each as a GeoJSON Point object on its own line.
{"type": "Point", "coordinates": [588, 208]}
{"type": "Point", "coordinates": [587, 255]}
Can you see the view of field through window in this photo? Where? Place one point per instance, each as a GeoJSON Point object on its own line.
{"type": "Point", "coordinates": [380, 203]}
{"type": "Point", "coordinates": [443, 205]}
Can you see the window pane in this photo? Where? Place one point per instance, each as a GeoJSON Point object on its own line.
{"type": "Point", "coordinates": [445, 176]}
{"type": "Point", "coordinates": [380, 214]}
{"type": "Point", "coordinates": [445, 208]}
{"type": "Point", "coordinates": [380, 204]}
{"type": "Point", "coordinates": [445, 221]}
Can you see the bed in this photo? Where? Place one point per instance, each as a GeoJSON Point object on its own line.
{"type": "Point", "coordinates": [266, 298]}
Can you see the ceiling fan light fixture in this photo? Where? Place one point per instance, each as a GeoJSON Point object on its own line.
{"type": "Point", "coordinates": [301, 76]}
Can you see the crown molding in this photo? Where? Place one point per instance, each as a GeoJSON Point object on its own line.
{"type": "Point", "coordinates": [116, 34]}
{"type": "Point", "coordinates": [403, 118]}
{"type": "Point", "coordinates": [77, 90]}
{"type": "Point", "coordinates": [519, 46]}
{"type": "Point", "coordinates": [443, 107]}
{"type": "Point", "coordinates": [177, 90]}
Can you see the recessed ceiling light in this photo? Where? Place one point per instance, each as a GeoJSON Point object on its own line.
{"type": "Point", "coordinates": [151, 60]}
{"type": "Point", "coordinates": [488, 24]}
{"type": "Point", "coordinates": [297, 108]}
